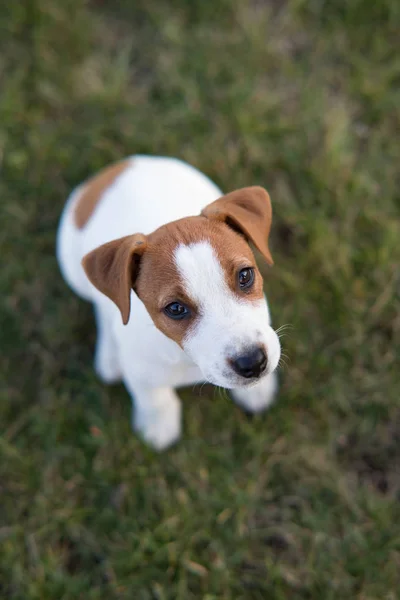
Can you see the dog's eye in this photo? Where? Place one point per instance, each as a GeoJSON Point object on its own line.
{"type": "Point", "coordinates": [246, 278]}
{"type": "Point", "coordinates": [176, 310]}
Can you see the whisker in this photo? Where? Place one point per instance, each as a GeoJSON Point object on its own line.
{"type": "Point", "coordinates": [218, 389]}
{"type": "Point", "coordinates": [284, 359]}
{"type": "Point", "coordinates": [282, 364]}
{"type": "Point", "coordinates": [284, 327]}
{"type": "Point", "coordinates": [201, 386]}
{"type": "Point", "coordinates": [222, 392]}
{"type": "Point", "coordinates": [284, 331]}
{"type": "Point", "coordinates": [282, 335]}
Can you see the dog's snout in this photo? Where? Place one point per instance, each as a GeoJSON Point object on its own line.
{"type": "Point", "coordinates": [251, 364]}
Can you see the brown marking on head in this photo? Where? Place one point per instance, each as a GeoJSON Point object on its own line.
{"type": "Point", "coordinates": [94, 189]}
{"type": "Point", "coordinates": [113, 268]}
{"type": "Point", "coordinates": [249, 210]}
{"type": "Point", "coordinates": [159, 282]}
{"type": "Point", "coordinates": [147, 263]}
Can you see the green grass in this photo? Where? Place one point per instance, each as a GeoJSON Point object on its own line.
{"type": "Point", "coordinates": [302, 502]}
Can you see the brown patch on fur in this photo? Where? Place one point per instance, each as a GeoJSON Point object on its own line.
{"type": "Point", "coordinates": [113, 268]}
{"type": "Point", "coordinates": [146, 263]}
{"type": "Point", "coordinates": [234, 254]}
{"type": "Point", "coordinates": [248, 210]}
{"type": "Point", "coordinates": [94, 189]}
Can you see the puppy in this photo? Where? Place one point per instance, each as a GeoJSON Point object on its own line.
{"type": "Point", "coordinates": [165, 259]}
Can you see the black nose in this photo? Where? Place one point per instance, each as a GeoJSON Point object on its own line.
{"type": "Point", "coordinates": [252, 364]}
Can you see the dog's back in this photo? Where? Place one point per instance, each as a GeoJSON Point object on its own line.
{"type": "Point", "coordinates": [138, 194]}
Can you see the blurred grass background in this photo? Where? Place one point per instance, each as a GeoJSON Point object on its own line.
{"type": "Point", "coordinates": [303, 502]}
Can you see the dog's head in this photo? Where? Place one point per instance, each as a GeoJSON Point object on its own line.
{"type": "Point", "coordinates": [200, 284]}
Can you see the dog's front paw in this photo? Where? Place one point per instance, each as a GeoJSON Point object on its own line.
{"type": "Point", "coordinates": [159, 423]}
{"type": "Point", "coordinates": [259, 397]}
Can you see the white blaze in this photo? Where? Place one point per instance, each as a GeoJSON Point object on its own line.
{"type": "Point", "coordinates": [227, 325]}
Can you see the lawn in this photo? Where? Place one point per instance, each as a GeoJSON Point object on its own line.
{"type": "Point", "coordinates": [302, 502]}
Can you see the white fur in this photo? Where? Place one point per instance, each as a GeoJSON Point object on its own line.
{"type": "Point", "coordinates": [153, 191]}
{"type": "Point", "coordinates": [227, 324]}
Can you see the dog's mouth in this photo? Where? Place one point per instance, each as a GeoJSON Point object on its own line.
{"type": "Point", "coordinates": [228, 379]}
{"type": "Point", "coordinates": [240, 364]}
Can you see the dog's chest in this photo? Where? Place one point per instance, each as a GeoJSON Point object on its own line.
{"type": "Point", "coordinates": [154, 357]}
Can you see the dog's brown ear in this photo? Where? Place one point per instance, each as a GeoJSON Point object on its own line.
{"type": "Point", "coordinates": [248, 210]}
{"type": "Point", "coordinates": [113, 268]}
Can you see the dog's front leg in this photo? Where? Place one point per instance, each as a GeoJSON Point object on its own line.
{"type": "Point", "coordinates": [106, 362]}
{"type": "Point", "coordinates": [156, 415]}
{"type": "Point", "coordinates": [259, 397]}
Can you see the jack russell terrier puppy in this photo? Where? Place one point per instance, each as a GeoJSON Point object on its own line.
{"type": "Point", "coordinates": [187, 286]}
